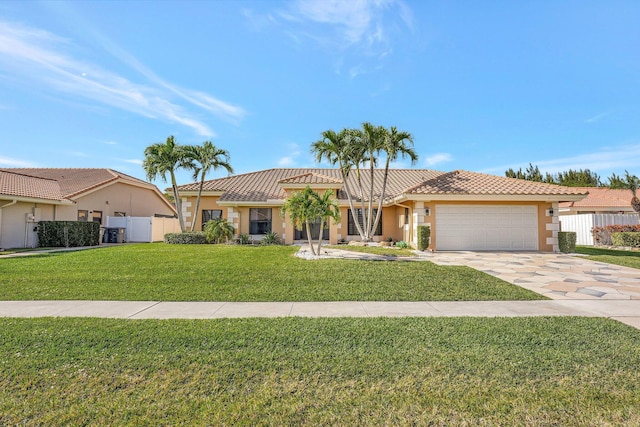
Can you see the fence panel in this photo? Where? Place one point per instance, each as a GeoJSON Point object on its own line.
{"type": "Point", "coordinates": [583, 223]}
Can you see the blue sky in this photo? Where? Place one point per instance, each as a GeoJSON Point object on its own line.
{"type": "Point", "coordinates": [482, 86]}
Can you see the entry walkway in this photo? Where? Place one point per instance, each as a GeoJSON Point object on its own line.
{"type": "Point", "coordinates": [625, 311]}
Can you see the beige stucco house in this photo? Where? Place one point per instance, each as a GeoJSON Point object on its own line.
{"type": "Point", "coordinates": [599, 200]}
{"type": "Point", "coordinates": [29, 195]}
{"type": "Point", "coordinates": [465, 210]}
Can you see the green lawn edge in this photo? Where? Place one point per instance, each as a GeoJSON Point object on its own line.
{"type": "Point", "coordinates": [611, 256]}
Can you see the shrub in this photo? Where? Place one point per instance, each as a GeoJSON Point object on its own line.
{"type": "Point", "coordinates": [187, 238]}
{"type": "Point", "coordinates": [218, 231]}
{"type": "Point", "coordinates": [424, 233]}
{"type": "Point", "coordinates": [68, 233]}
{"type": "Point", "coordinates": [602, 235]}
{"type": "Point", "coordinates": [402, 245]}
{"type": "Point", "coordinates": [244, 239]}
{"type": "Point", "coordinates": [626, 238]}
{"type": "Point", "coordinates": [271, 238]}
{"type": "Point", "coordinates": [567, 241]}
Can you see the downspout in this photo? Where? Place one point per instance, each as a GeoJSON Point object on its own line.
{"type": "Point", "coordinates": [2, 207]}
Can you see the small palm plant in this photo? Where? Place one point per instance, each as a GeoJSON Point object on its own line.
{"type": "Point", "coordinates": [218, 231]}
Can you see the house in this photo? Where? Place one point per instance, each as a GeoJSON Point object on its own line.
{"type": "Point", "coordinates": [465, 210]}
{"type": "Point", "coordinates": [599, 200]}
{"type": "Point", "coordinates": [29, 195]}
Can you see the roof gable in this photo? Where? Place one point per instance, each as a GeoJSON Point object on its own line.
{"type": "Point", "coordinates": [20, 185]}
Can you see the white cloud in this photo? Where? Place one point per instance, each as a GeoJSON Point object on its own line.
{"type": "Point", "coordinates": [77, 154]}
{"type": "Point", "coordinates": [110, 143]}
{"type": "Point", "coordinates": [286, 161]}
{"type": "Point", "coordinates": [15, 163]}
{"type": "Point", "coordinates": [41, 58]}
{"type": "Point", "coordinates": [605, 160]}
{"type": "Point", "coordinates": [597, 117]}
{"type": "Point", "coordinates": [132, 161]}
{"type": "Point", "coordinates": [438, 158]}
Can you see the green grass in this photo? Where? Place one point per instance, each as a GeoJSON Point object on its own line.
{"type": "Point", "coordinates": [238, 273]}
{"type": "Point", "coordinates": [427, 371]}
{"type": "Point", "coordinates": [376, 250]}
{"type": "Point", "coordinates": [611, 256]}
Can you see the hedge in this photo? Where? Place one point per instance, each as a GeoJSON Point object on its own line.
{"type": "Point", "coordinates": [567, 241]}
{"type": "Point", "coordinates": [187, 238]}
{"type": "Point", "coordinates": [602, 235]}
{"type": "Point", "coordinates": [626, 238]}
{"type": "Point", "coordinates": [424, 232]}
{"type": "Point", "coordinates": [68, 233]}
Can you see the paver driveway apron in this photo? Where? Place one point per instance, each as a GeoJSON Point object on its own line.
{"type": "Point", "coordinates": [556, 276]}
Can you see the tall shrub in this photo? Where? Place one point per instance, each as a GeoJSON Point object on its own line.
{"type": "Point", "coordinates": [68, 233]}
{"type": "Point", "coordinates": [567, 241]}
{"type": "Point", "coordinates": [424, 233]}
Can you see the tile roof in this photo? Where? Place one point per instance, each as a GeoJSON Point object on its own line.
{"type": "Point", "coordinates": [464, 182]}
{"type": "Point", "coordinates": [19, 185]}
{"type": "Point", "coordinates": [311, 178]}
{"type": "Point", "coordinates": [602, 197]}
{"type": "Point", "coordinates": [60, 184]}
{"type": "Point", "coordinates": [265, 185]}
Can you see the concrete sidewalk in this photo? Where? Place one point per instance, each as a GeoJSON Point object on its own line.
{"type": "Point", "coordinates": [626, 311]}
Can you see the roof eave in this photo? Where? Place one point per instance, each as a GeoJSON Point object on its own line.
{"type": "Point", "coordinates": [490, 197]}
{"type": "Point", "coordinates": [36, 200]}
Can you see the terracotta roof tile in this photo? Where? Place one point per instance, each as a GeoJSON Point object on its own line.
{"type": "Point", "coordinates": [464, 182]}
{"type": "Point", "coordinates": [311, 178]}
{"type": "Point", "coordinates": [73, 181]}
{"type": "Point", "coordinates": [602, 197]}
{"type": "Point", "coordinates": [21, 185]}
{"type": "Point", "coordinates": [265, 185]}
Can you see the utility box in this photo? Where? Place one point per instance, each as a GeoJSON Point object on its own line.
{"type": "Point", "coordinates": [113, 235]}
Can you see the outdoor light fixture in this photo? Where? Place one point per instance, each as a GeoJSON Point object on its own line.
{"type": "Point", "coordinates": [551, 212]}
{"type": "Point", "coordinates": [427, 212]}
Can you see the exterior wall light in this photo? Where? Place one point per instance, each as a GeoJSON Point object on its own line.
{"type": "Point", "coordinates": [427, 212]}
{"type": "Point", "coordinates": [551, 212]}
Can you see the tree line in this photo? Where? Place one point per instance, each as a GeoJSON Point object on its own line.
{"type": "Point", "coordinates": [572, 178]}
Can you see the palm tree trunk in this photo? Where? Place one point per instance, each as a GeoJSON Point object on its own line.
{"type": "Point", "coordinates": [306, 225]}
{"type": "Point", "coordinates": [350, 200]}
{"type": "Point", "coordinates": [384, 187]}
{"type": "Point", "coordinates": [370, 231]}
{"type": "Point", "coordinates": [365, 234]}
{"type": "Point", "coordinates": [320, 235]}
{"type": "Point", "coordinates": [176, 196]}
{"type": "Point", "coordinates": [195, 213]}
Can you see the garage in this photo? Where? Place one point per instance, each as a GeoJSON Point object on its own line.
{"type": "Point", "coordinates": [486, 227]}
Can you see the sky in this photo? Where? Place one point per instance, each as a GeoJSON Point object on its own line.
{"type": "Point", "coordinates": [481, 86]}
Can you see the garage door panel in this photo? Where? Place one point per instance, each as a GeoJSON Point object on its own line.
{"type": "Point", "coordinates": [486, 227]}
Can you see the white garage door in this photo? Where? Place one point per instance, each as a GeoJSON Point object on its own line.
{"type": "Point", "coordinates": [486, 228]}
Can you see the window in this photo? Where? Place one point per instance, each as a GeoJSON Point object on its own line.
{"type": "Point", "coordinates": [209, 215]}
{"type": "Point", "coordinates": [97, 217]}
{"type": "Point", "coordinates": [83, 215]}
{"type": "Point", "coordinates": [353, 231]}
{"type": "Point", "coordinates": [406, 216]}
{"type": "Point", "coordinates": [120, 214]}
{"type": "Point", "coordinates": [259, 220]}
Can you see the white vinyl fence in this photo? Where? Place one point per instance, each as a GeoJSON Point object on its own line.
{"type": "Point", "coordinates": [144, 229]}
{"type": "Point", "coordinates": [583, 223]}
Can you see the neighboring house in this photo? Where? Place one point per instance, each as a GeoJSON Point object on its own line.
{"type": "Point", "coordinates": [465, 210]}
{"type": "Point", "coordinates": [29, 195]}
{"type": "Point", "coordinates": [599, 200]}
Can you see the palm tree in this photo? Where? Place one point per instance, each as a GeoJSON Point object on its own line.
{"type": "Point", "coordinates": [219, 231]}
{"type": "Point", "coordinates": [337, 148]}
{"type": "Point", "coordinates": [633, 183]}
{"type": "Point", "coordinates": [160, 159]}
{"type": "Point", "coordinates": [395, 144]}
{"type": "Point", "coordinates": [326, 208]}
{"type": "Point", "coordinates": [202, 159]}
{"type": "Point", "coordinates": [301, 210]}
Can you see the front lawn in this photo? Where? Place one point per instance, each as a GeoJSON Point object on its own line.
{"type": "Point", "coordinates": [377, 250]}
{"type": "Point", "coordinates": [238, 273]}
{"type": "Point", "coordinates": [611, 256]}
{"type": "Point", "coordinates": [292, 371]}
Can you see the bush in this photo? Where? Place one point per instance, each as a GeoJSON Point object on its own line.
{"type": "Point", "coordinates": [567, 241]}
{"type": "Point", "coordinates": [602, 235]}
{"type": "Point", "coordinates": [424, 233]}
{"type": "Point", "coordinates": [402, 245]}
{"type": "Point", "coordinates": [626, 238]}
{"type": "Point", "coordinates": [68, 233]}
{"type": "Point", "coordinates": [244, 239]}
{"type": "Point", "coordinates": [188, 238]}
{"type": "Point", "coordinates": [271, 238]}
{"type": "Point", "coordinates": [218, 231]}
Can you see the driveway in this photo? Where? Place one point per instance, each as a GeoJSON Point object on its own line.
{"type": "Point", "coordinates": [556, 276]}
